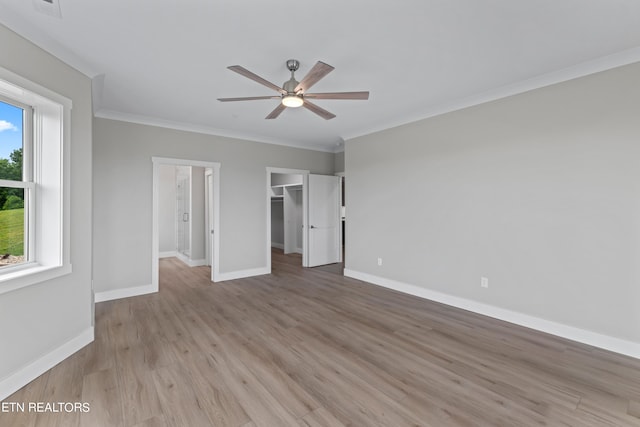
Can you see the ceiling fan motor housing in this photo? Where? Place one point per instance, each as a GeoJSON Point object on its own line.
{"type": "Point", "coordinates": [290, 86]}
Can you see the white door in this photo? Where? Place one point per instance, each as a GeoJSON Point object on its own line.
{"type": "Point", "coordinates": [324, 220]}
{"type": "Point", "coordinates": [208, 215]}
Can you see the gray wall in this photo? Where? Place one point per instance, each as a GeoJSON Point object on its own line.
{"type": "Point", "coordinates": [277, 221]}
{"type": "Point", "coordinates": [285, 179]}
{"type": "Point", "coordinates": [338, 162]}
{"type": "Point", "coordinates": [123, 178]}
{"type": "Point", "coordinates": [38, 319]}
{"type": "Point", "coordinates": [538, 192]}
{"type": "Point", "coordinates": [167, 209]}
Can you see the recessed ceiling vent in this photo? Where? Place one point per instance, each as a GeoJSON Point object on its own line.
{"type": "Point", "coordinates": [48, 7]}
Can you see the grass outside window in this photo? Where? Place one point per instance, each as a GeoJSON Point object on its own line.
{"type": "Point", "coordinates": [12, 232]}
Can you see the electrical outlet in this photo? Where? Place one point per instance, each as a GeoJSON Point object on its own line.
{"type": "Point", "coordinates": [484, 282]}
{"type": "Point", "coordinates": [379, 262]}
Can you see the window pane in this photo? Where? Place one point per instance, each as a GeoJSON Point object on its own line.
{"type": "Point", "coordinates": [11, 137]}
{"type": "Point", "coordinates": [12, 230]}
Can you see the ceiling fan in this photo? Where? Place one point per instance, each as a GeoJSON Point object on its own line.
{"type": "Point", "coordinates": [294, 94]}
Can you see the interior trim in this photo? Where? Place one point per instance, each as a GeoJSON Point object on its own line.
{"type": "Point", "coordinates": [28, 373]}
{"type": "Point", "coordinates": [580, 70]}
{"type": "Point", "coordinates": [617, 345]}
{"type": "Point", "coordinates": [124, 293]}
{"type": "Point", "coordinates": [241, 274]}
{"type": "Point", "coordinates": [188, 127]}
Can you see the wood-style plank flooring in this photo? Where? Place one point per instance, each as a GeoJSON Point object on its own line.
{"type": "Point", "coordinates": [308, 347]}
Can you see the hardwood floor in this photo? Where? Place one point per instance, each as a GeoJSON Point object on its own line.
{"type": "Point", "coordinates": [307, 347]}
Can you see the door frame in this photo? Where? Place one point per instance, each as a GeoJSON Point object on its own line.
{"type": "Point", "coordinates": [305, 181]}
{"type": "Point", "coordinates": [155, 239]}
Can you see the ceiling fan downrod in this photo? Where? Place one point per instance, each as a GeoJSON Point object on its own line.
{"type": "Point", "coordinates": [291, 98]}
{"type": "Point", "coordinates": [290, 85]}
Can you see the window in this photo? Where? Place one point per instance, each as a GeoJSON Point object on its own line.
{"type": "Point", "coordinates": [16, 183]}
{"type": "Point", "coordinates": [34, 202]}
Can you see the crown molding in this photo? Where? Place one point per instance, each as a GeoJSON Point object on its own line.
{"type": "Point", "coordinates": [583, 69]}
{"type": "Point", "coordinates": [189, 127]}
{"type": "Point", "coordinates": [26, 30]}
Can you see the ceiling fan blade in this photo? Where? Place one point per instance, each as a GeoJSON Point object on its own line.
{"type": "Point", "coordinates": [319, 111]}
{"type": "Point", "coordinates": [313, 76]}
{"type": "Point", "coordinates": [247, 98]}
{"type": "Point", "coordinates": [276, 112]}
{"type": "Point", "coordinates": [256, 78]}
{"type": "Point", "coordinates": [338, 95]}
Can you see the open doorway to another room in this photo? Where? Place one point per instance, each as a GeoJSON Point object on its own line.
{"type": "Point", "coordinates": [186, 214]}
{"type": "Point", "coordinates": [185, 221]}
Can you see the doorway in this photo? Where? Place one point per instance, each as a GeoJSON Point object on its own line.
{"type": "Point", "coordinates": [205, 233]}
{"type": "Point", "coordinates": [286, 210]}
{"type": "Point", "coordinates": [321, 201]}
{"type": "Point", "coordinates": [286, 213]}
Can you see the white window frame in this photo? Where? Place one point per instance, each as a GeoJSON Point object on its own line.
{"type": "Point", "coordinates": [48, 228]}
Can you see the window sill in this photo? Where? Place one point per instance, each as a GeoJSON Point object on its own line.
{"type": "Point", "coordinates": [31, 275]}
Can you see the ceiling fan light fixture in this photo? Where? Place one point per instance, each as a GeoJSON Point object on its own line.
{"type": "Point", "coordinates": [292, 101]}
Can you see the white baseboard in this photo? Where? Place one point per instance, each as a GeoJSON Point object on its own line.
{"type": "Point", "coordinates": [295, 251]}
{"type": "Point", "coordinates": [281, 246]}
{"type": "Point", "coordinates": [617, 345]}
{"type": "Point", "coordinates": [167, 254]}
{"type": "Point", "coordinates": [182, 257]}
{"type": "Point", "coordinates": [241, 274]}
{"type": "Point", "coordinates": [125, 293]}
{"type": "Point", "coordinates": [196, 262]}
{"type": "Point", "coordinates": [191, 262]}
{"type": "Point", "coordinates": [24, 376]}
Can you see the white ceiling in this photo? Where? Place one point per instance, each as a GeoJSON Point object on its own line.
{"type": "Point", "coordinates": [164, 62]}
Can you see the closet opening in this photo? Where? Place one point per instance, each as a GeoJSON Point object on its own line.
{"type": "Point", "coordinates": [306, 210]}
{"type": "Point", "coordinates": [287, 214]}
